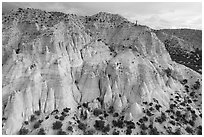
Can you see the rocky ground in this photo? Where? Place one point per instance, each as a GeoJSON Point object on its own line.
{"type": "Point", "coordinates": [65, 74]}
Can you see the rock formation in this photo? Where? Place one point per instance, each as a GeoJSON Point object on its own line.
{"type": "Point", "coordinates": [100, 74]}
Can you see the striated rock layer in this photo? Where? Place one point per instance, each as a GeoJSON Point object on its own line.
{"type": "Point", "coordinates": [92, 66]}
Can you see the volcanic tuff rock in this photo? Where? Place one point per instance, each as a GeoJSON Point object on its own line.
{"type": "Point", "coordinates": [100, 74]}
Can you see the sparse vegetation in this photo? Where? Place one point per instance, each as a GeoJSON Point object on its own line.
{"type": "Point", "coordinates": [70, 128]}
{"type": "Point", "coordinates": [97, 112]}
{"type": "Point", "coordinates": [57, 125]}
{"type": "Point", "coordinates": [168, 72]}
{"type": "Point", "coordinates": [81, 126]}
{"type": "Point", "coordinates": [23, 131]}
{"type": "Point", "coordinates": [36, 125]}
{"type": "Point", "coordinates": [37, 112]}
{"type": "Point", "coordinates": [60, 132]}
{"type": "Point", "coordinates": [99, 125]}
{"type": "Point", "coordinates": [32, 118]}
{"type": "Point", "coordinates": [196, 86]}
{"type": "Point", "coordinates": [41, 131]}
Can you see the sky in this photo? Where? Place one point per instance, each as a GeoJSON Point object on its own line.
{"type": "Point", "coordinates": [157, 15]}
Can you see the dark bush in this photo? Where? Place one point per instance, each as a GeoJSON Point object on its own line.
{"type": "Point", "coordinates": [184, 81]}
{"type": "Point", "coordinates": [110, 109]}
{"type": "Point", "coordinates": [3, 118]}
{"type": "Point", "coordinates": [36, 125]}
{"type": "Point", "coordinates": [64, 114]}
{"type": "Point", "coordinates": [82, 126]}
{"type": "Point", "coordinates": [89, 132]}
{"type": "Point", "coordinates": [99, 125]}
{"type": "Point", "coordinates": [199, 132]}
{"type": "Point", "coordinates": [85, 105]}
{"type": "Point", "coordinates": [143, 126]}
{"type": "Point", "coordinates": [61, 118]}
{"type": "Point", "coordinates": [41, 131]}
{"type": "Point", "coordinates": [130, 124]}
{"type": "Point", "coordinates": [60, 132]}
{"type": "Point", "coordinates": [23, 131]}
{"type": "Point", "coordinates": [56, 117]}
{"type": "Point", "coordinates": [37, 113]}
{"type": "Point", "coordinates": [40, 120]}
{"type": "Point", "coordinates": [168, 72]}
{"type": "Point", "coordinates": [32, 118]}
{"type": "Point", "coordinates": [47, 117]}
{"type": "Point", "coordinates": [154, 131]}
{"type": "Point", "coordinates": [106, 128]}
{"type": "Point", "coordinates": [55, 112]}
{"type": "Point", "coordinates": [97, 112]}
{"type": "Point", "coordinates": [177, 131]}
{"type": "Point", "coordinates": [189, 130]}
{"type": "Point", "coordinates": [119, 123]}
{"type": "Point", "coordinates": [196, 86]}
{"type": "Point", "coordinates": [70, 128]}
{"type": "Point", "coordinates": [142, 132]}
{"type": "Point", "coordinates": [115, 114]}
{"type": "Point", "coordinates": [66, 110]}
{"type": "Point", "coordinates": [116, 132]}
{"type": "Point", "coordinates": [26, 122]}
{"type": "Point", "coordinates": [128, 131]}
{"type": "Point", "coordinates": [17, 51]}
{"type": "Point", "coordinates": [57, 125]}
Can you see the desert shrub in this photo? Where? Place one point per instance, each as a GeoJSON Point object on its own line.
{"type": "Point", "coordinates": [56, 117]}
{"type": "Point", "coordinates": [26, 122]}
{"type": "Point", "coordinates": [119, 123]}
{"type": "Point", "coordinates": [189, 130]}
{"type": "Point", "coordinates": [60, 132]}
{"type": "Point", "coordinates": [130, 124]}
{"type": "Point", "coordinates": [36, 125]}
{"type": "Point", "coordinates": [184, 81]}
{"type": "Point", "coordinates": [3, 118]}
{"type": "Point", "coordinates": [116, 132]}
{"type": "Point", "coordinates": [99, 125]}
{"type": "Point", "coordinates": [17, 51]}
{"type": "Point", "coordinates": [110, 109]}
{"type": "Point", "coordinates": [40, 121]}
{"type": "Point", "coordinates": [23, 131]}
{"type": "Point", "coordinates": [32, 118]}
{"type": "Point", "coordinates": [97, 112]}
{"type": "Point", "coordinates": [70, 128]}
{"type": "Point", "coordinates": [61, 118]}
{"type": "Point", "coordinates": [154, 131]}
{"type": "Point", "coordinates": [196, 85]}
{"type": "Point", "coordinates": [37, 112]}
{"type": "Point", "coordinates": [64, 114]}
{"type": "Point", "coordinates": [128, 131]}
{"type": "Point", "coordinates": [142, 132]}
{"type": "Point", "coordinates": [199, 131]}
{"type": "Point", "coordinates": [168, 72]}
{"type": "Point", "coordinates": [57, 125]}
{"type": "Point", "coordinates": [85, 105]}
{"type": "Point", "coordinates": [106, 128]}
{"type": "Point", "coordinates": [41, 131]}
{"type": "Point", "coordinates": [177, 131]}
{"type": "Point", "coordinates": [115, 114]}
{"type": "Point", "coordinates": [82, 126]}
{"type": "Point", "coordinates": [47, 117]}
{"type": "Point", "coordinates": [89, 132]}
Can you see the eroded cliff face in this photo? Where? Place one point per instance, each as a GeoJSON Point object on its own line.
{"type": "Point", "coordinates": [103, 61]}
